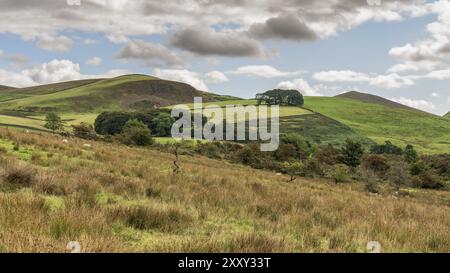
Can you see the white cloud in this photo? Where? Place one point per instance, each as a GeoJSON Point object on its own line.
{"type": "Point", "coordinates": [438, 75]}
{"type": "Point", "coordinates": [182, 75]}
{"type": "Point", "coordinates": [435, 95]}
{"type": "Point", "coordinates": [341, 76]}
{"type": "Point", "coordinates": [264, 71]}
{"type": "Point", "coordinates": [52, 72]}
{"type": "Point", "coordinates": [54, 43]}
{"type": "Point", "coordinates": [418, 104]}
{"type": "Point", "coordinates": [391, 81]}
{"type": "Point", "coordinates": [94, 61]}
{"type": "Point", "coordinates": [215, 77]}
{"type": "Point", "coordinates": [300, 85]}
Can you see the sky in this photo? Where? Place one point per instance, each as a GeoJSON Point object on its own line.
{"type": "Point", "coordinates": [396, 49]}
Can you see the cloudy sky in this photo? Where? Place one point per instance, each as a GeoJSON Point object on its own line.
{"type": "Point", "coordinates": [397, 49]}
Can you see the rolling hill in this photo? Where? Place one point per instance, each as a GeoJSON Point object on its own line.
{"type": "Point", "coordinates": [2, 88]}
{"type": "Point", "coordinates": [430, 133]}
{"type": "Point", "coordinates": [369, 98]}
{"type": "Point", "coordinates": [447, 115]}
{"type": "Point", "coordinates": [130, 92]}
{"type": "Point", "coordinates": [323, 120]}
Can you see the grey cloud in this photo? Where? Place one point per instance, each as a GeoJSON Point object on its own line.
{"type": "Point", "coordinates": [283, 27]}
{"type": "Point", "coordinates": [207, 41]}
{"type": "Point", "coordinates": [148, 52]}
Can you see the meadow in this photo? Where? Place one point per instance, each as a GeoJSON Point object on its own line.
{"type": "Point", "coordinates": [113, 198]}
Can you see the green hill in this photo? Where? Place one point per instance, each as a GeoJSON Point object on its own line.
{"type": "Point", "coordinates": [83, 100]}
{"type": "Point", "coordinates": [323, 120]}
{"type": "Point", "coordinates": [131, 92]}
{"type": "Point", "coordinates": [369, 98]}
{"type": "Point", "coordinates": [378, 122]}
{"type": "Point", "coordinates": [3, 87]}
{"type": "Point", "coordinates": [447, 115]}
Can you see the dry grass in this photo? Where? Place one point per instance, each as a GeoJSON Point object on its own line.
{"type": "Point", "coordinates": [113, 198]}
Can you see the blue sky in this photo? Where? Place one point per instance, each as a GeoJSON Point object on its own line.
{"type": "Point", "coordinates": [399, 50]}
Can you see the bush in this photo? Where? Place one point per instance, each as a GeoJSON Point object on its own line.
{"type": "Point", "coordinates": [136, 133]}
{"type": "Point", "coordinates": [399, 174]}
{"type": "Point", "coordinates": [293, 169]}
{"type": "Point", "coordinates": [166, 220]}
{"type": "Point", "coordinates": [285, 152]}
{"type": "Point", "coordinates": [339, 173]}
{"type": "Point", "coordinates": [313, 168]}
{"type": "Point", "coordinates": [18, 176]}
{"type": "Point", "coordinates": [411, 154]}
{"type": "Point", "coordinates": [328, 155]}
{"type": "Point", "coordinates": [302, 147]}
{"type": "Point", "coordinates": [85, 131]}
{"type": "Point", "coordinates": [54, 122]}
{"type": "Point", "coordinates": [352, 153]}
{"type": "Point", "coordinates": [439, 163]}
{"type": "Point", "coordinates": [161, 125]}
{"type": "Point", "coordinates": [418, 168]}
{"type": "Point", "coordinates": [428, 180]}
{"type": "Point", "coordinates": [376, 163]}
{"type": "Point", "coordinates": [386, 148]}
{"type": "Point", "coordinates": [210, 150]}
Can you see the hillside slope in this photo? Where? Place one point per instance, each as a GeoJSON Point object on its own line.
{"type": "Point", "coordinates": [130, 92]}
{"type": "Point", "coordinates": [428, 132]}
{"type": "Point", "coordinates": [3, 87]}
{"type": "Point", "coordinates": [112, 198]}
{"type": "Point", "coordinates": [447, 115]}
{"type": "Point", "coordinates": [369, 98]}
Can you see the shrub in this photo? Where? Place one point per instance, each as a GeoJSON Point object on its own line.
{"type": "Point", "coordinates": [418, 168]}
{"type": "Point", "coordinates": [428, 180]}
{"type": "Point", "coordinates": [293, 169]}
{"type": "Point", "coordinates": [410, 154]}
{"type": "Point", "coordinates": [54, 122]}
{"type": "Point", "coordinates": [328, 155]}
{"type": "Point", "coordinates": [210, 150]}
{"type": "Point", "coordinates": [377, 164]}
{"type": "Point", "coordinates": [313, 168]}
{"type": "Point", "coordinates": [386, 148]}
{"type": "Point", "coordinates": [285, 152]}
{"type": "Point", "coordinates": [136, 133]}
{"type": "Point", "coordinates": [339, 173]}
{"type": "Point", "coordinates": [352, 153]}
{"type": "Point", "coordinates": [84, 130]}
{"type": "Point", "coordinates": [18, 176]}
{"type": "Point", "coordinates": [439, 163]}
{"type": "Point", "coordinates": [399, 174]}
{"type": "Point", "coordinates": [302, 147]}
{"type": "Point", "coordinates": [161, 125]}
{"type": "Point", "coordinates": [140, 217]}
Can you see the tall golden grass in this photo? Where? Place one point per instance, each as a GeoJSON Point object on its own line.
{"type": "Point", "coordinates": [113, 198]}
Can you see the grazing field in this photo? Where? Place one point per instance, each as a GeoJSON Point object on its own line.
{"type": "Point", "coordinates": [429, 133]}
{"type": "Point", "coordinates": [113, 198]}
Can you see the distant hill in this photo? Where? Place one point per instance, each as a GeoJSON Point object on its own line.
{"type": "Point", "coordinates": [378, 122]}
{"type": "Point", "coordinates": [130, 92]}
{"type": "Point", "coordinates": [447, 115]}
{"type": "Point", "coordinates": [3, 87]}
{"type": "Point", "coordinates": [369, 98]}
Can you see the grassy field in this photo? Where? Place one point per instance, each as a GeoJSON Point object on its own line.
{"type": "Point", "coordinates": [429, 133]}
{"type": "Point", "coordinates": [113, 198]}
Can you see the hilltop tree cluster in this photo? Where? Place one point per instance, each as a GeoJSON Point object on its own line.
{"type": "Point", "coordinates": [281, 97]}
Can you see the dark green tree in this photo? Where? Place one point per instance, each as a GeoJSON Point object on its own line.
{"type": "Point", "coordinates": [162, 125]}
{"type": "Point", "coordinates": [54, 122]}
{"type": "Point", "coordinates": [352, 152]}
{"type": "Point", "coordinates": [136, 133]}
{"type": "Point", "coordinates": [411, 155]}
